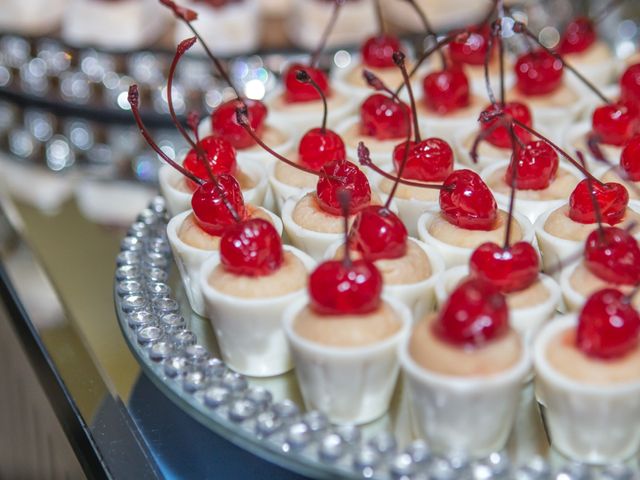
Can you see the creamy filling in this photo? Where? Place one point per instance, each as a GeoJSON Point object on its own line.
{"type": "Point", "coordinates": [586, 283]}
{"type": "Point", "coordinates": [438, 356]}
{"type": "Point", "coordinates": [565, 357]}
{"type": "Point", "coordinates": [407, 192]}
{"type": "Point", "coordinates": [294, 177]}
{"type": "Point", "coordinates": [486, 149]}
{"type": "Point", "coordinates": [597, 53]}
{"type": "Point", "coordinates": [353, 136]}
{"type": "Point", "coordinates": [470, 112]}
{"type": "Point", "coordinates": [246, 182]}
{"type": "Point", "coordinates": [290, 277]}
{"type": "Point", "coordinates": [347, 330]}
{"type": "Point", "coordinates": [560, 225]}
{"type": "Point", "coordinates": [334, 101]}
{"type": "Point", "coordinates": [532, 296]}
{"type": "Point", "coordinates": [194, 236]}
{"type": "Point", "coordinates": [271, 136]}
{"type": "Point", "coordinates": [610, 152]}
{"type": "Point", "coordinates": [412, 267]}
{"type": "Point", "coordinates": [632, 187]}
{"type": "Point", "coordinates": [563, 96]}
{"type": "Point", "coordinates": [446, 232]}
{"type": "Point", "coordinates": [392, 77]}
{"type": "Point", "coordinates": [559, 189]}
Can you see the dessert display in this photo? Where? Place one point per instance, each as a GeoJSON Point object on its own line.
{"type": "Point", "coordinates": [231, 27]}
{"type": "Point", "coordinates": [113, 25]}
{"type": "Point", "coordinates": [245, 291]}
{"type": "Point", "coordinates": [465, 366]}
{"type": "Point", "coordinates": [31, 17]}
{"type": "Point", "coordinates": [588, 377]}
{"type": "Point", "coordinates": [344, 338]}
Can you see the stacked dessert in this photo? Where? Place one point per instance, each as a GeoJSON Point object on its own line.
{"type": "Point", "coordinates": [408, 262]}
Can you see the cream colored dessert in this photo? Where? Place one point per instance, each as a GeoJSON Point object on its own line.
{"type": "Point", "coordinates": [439, 356]}
{"type": "Point", "coordinates": [486, 149]}
{"type": "Point", "coordinates": [596, 54]}
{"type": "Point", "coordinates": [412, 267]}
{"type": "Point", "coordinates": [408, 192]}
{"type": "Point", "coordinates": [293, 176]}
{"type": "Point", "coordinates": [308, 214]}
{"type": "Point", "coordinates": [451, 234]}
{"type": "Point", "coordinates": [560, 188]}
{"type": "Point", "coordinates": [586, 283]}
{"type": "Point", "coordinates": [352, 136]}
{"type": "Point", "coordinates": [391, 77]}
{"type": "Point", "coordinates": [633, 188]}
{"type": "Point", "coordinates": [271, 136]}
{"type": "Point", "coordinates": [611, 152]}
{"type": "Point", "coordinates": [560, 225]}
{"type": "Point", "coordinates": [565, 357]}
{"type": "Point", "coordinates": [535, 294]}
{"type": "Point", "coordinates": [181, 183]}
{"type": "Point", "coordinates": [347, 330]}
{"type": "Point", "coordinates": [561, 97]}
{"type": "Point", "coordinates": [471, 111]}
{"type": "Point", "coordinates": [194, 236]}
{"type": "Point", "coordinates": [334, 101]}
{"type": "Point", "coordinates": [290, 277]}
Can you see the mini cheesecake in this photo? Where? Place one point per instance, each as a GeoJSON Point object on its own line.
{"type": "Point", "coordinates": [456, 244]}
{"type": "Point", "coordinates": [347, 365]}
{"type": "Point", "coordinates": [533, 202]}
{"type": "Point", "coordinates": [246, 312]}
{"type": "Point", "coordinates": [576, 138]}
{"type": "Point", "coordinates": [287, 181]}
{"type": "Point", "coordinates": [191, 246]}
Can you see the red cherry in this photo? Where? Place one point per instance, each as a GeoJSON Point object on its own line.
{"type": "Point", "coordinates": [377, 52]}
{"type": "Point", "coordinates": [343, 288]}
{"type": "Point", "coordinates": [630, 85]}
{"type": "Point", "coordinates": [537, 166]}
{"type": "Point", "coordinates": [384, 119]}
{"type": "Point", "coordinates": [608, 325]}
{"type": "Point", "coordinates": [612, 199]}
{"type": "Point", "coordinates": [616, 123]}
{"type": "Point", "coordinates": [319, 146]}
{"type": "Point", "coordinates": [430, 160]}
{"type": "Point", "coordinates": [446, 91]}
{"type": "Point", "coordinates": [224, 123]}
{"type": "Point", "coordinates": [613, 255]}
{"type": "Point", "coordinates": [538, 73]}
{"type": "Point", "coordinates": [473, 49]}
{"type": "Point", "coordinates": [630, 159]}
{"type": "Point", "coordinates": [378, 233]}
{"type": "Point", "coordinates": [296, 91]}
{"type": "Point", "coordinates": [467, 201]}
{"type": "Point", "coordinates": [221, 157]}
{"type": "Point", "coordinates": [211, 210]}
{"type": "Point", "coordinates": [579, 35]}
{"type": "Point", "coordinates": [252, 248]}
{"type": "Point", "coordinates": [342, 175]}
{"type": "Point", "coordinates": [500, 137]}
{"type": "Point", "coordinates": [475, 313]}
{"type": "Point", "coordinates": [509, 269]}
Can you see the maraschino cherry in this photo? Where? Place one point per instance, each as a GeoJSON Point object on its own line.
{"type": "Point", "coordinates": [383, 117]}
{"type": "Point", "coordinates": [319, 145]}
{"type": "Point", "coordinates": [251, 248]}
{"type": "Point", "coordinates": [630, 85]}
{"type": "Point", "coordinates": [223, 118]}
{"type": "Point", "coordinates": [471, 50]}
{"type": "Point", "coordinates": [608, 325]}
{"type": "Point", "coordinates": [615, 123]}
{"type": "Point", "coordinates": [377, 51]}
{"type": "Point", "coordinates": [537, 163]}
{"type": "Point", "coordinates": [630, 159]}
{"type": "Point", "coordinates": [578, 36]}
{"type": "Point", "coordinates": [297, 92]}
{"type": "Point", "coordinates": [612, 199]}
{"type": "Point", "coordinates": [345, 287]}
{"type": "Point", "coordinates": [538, 72]}
{"type": "Point", "coordinates": [495, 130]}
{"type": "Point", "coordinates": [467, 202]}
{"type": "Point", "coordinates": [475, 313]}
{"type": "Point", "coordinates": [613, 254]}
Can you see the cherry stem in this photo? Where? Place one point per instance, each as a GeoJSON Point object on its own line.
{"type": "Point", "coordinates": [593, 143]}
{"type": "Point", "coordinates": [380, 18]}
{"type": "Point", "coordinates": [134, 101]}
{"type": "Point", "coordinates": [489, 14]}
{"type": "Point", "coordinates": [303, 77]}
{"type": "Point", "coordinates": [487, 61]}
{"type": "Point", "coordinates": [482, 135]}
{"type": "Point", "coordinates": [187, 16]}
{"type": "Point", "coordinates": [374, 82]}
{"type": "Point", "coordinates": [427, 53]}
{"type": "Point", "coordinates": [575, 163]}
{"type": "Point", "coordinates": [606, 10]}
{"type": "Point", "coordinates": [501, 56]}
{"type": "Point", "coordinates": [512, 198]}
{"type": "Point", "coordinates": [327, 31]}
{"type": "Point", "coordinates": [400, 171]}
{"type": "Point", "coordinates": [344, 197]}
{"type": "Point", "coordinates": [364, 158]}
{"type": "Point", "coordinates": [428, 29]}
{"type": "Point", "coordinates": [594, 200]}
{"type": "Point", "coordinates": [398, 58]}
{"type": "Point", "coordinates": [183, 46]}
{"type": "Point", "coordinates": [521, 28]}
{"type": "Point", "coordinates": [193, 120]}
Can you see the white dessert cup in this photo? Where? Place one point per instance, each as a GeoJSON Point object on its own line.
{"type": "Point", "coordinates": [419, 297]}
{"type": "Point", "coordinates": [556, 252]}
{"type": "Point", "coordinates": [454, 255]}
{"type": "Point", "coordinates": [249, 330]}
{"type": "Point", "coordinates": [470, 414]}
{"type": "Point", "coordinates": [531, 208]}
{"type": "Point", "coordinates": [281, 190]}
{"type": "Point", "coordinates": [189, 259]}
{"type": "Point", "coordinates": [351, 385]}
{"type": "Point", "coordinates": [179, 200]}
{"type": "Point", "coordinates": [462, 152]}
{"type": "Point", "coordinates": [526, 321]}
{"type": "Point", "coordinates": [576, 134]}
{"type": "Point", "coordinates": [594, 424]}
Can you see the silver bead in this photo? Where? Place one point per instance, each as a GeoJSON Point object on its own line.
{"type": "Point", "coordinates": [149, 335]}
{"type": "Point", "coordinates": [184, 338]}
{"type": "Point", "coordinates": [216, 396]}
{"type": "Point", "coordinates": [129, 287]}
{"type": "Point", "coordinates": [481, 471]}
{"type": "Point", "coordinates": [317, 421]}
{"type": "Point", "coordinates": [499, 462]}
{"type": "Point", "coordinates": [153, 259]}
{"type": "Point", "coordinates": [158, 289]}
{"type": "Point", "coordinates": [160, 351]}
{"type": "Point", "coordinates": [402, 466]}
{"type": "Point", "coordinates": [140, 319]}
{"type": "Point", "coordinates": [573, 471]}
{"type": "Point", "coordinates": [298, 435]}
{"type": "Point", "coordinates": [235, 382]}
{"type": "Point", "coordinates": [175, 366]}
{"type": "Point", "coordinates": [138, 230]}
{"type": "Point", "coordinates": [384, 442]}
{"type": "Point", "coordinates": [147, 216]}
{"type": "Point", "coordinates": [242, 409]}
{"type": "Point", "coordinates": [132, 244]}
{"type": "Point", "coordinates": [193, 381]}
{"type": "Point", "coordinates": [158, 205]}
{"type": "Point", "coordinates": [366, 458]}
{"type": "Point", "coordinates": [285, 409]}
{"type": "Point", "coordinates": [617, 472]}
{"type": "Point", "coordinates": [196, 354]}
{"type": "Point", "coordinates": [441, 469]}
{"type": "Point", "coordinates": [159, 245]}
{"type": "Point", "coordinates": [331, 447]}
{"type": "Point", "coordinates": [351, 434]}
{"type": "Point", "coordinates": [419, 451]}
{"type": "Point", "coordinates": [172, 322]}
{"type": "Point", "coordinates": [127, 258]}
{"type": "Point", "coordinates": [260, 396]}
{"type": "Point", "coordinates": [268, 423]}
{"type": "Point", "coordinates": [133, 303]}
{"type": "Point", "coordinates": [214, 367]}
{"type": "Point", "coordinates": [538, 466]}
{"type": "Point", "coordinates": [157, 275]}
{"type": "Point", "coordinates": [128, 272]}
